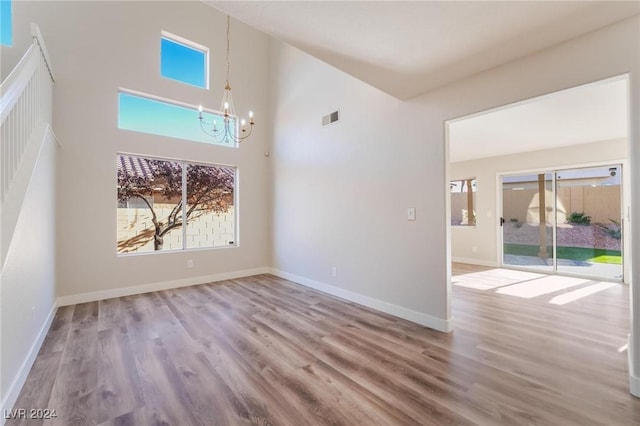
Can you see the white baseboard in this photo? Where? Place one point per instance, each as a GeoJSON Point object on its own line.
{"type": "Point", "coordinates": [389, 308]}
{"type": "Point", "coordinates": [478, 262]}
{"type": "Point", "coordinates": [163, 285]}
{"type": "Point", "coordinates": [21, 376]}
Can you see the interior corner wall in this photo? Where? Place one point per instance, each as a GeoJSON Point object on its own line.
{"type": "Point", "coordinates": [341, 191]}
{"type": "Point", "coordinates": [99, 47]}
{"type": "Point", "coordinates": [479, 244]}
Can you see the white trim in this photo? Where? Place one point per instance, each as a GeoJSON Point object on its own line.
{"type": "Point", "coordinates": [174, 102]}
{"type": "Point", "coordinates": [13, 86]}
{"type": "Point", "coordinates": [478, 262]}
{"type": "Point", "coordinates": [184, 41]}
{"type": "Point", "coordinates": [52, 134]}
{"type": "Point", "coordinates": [389, 308]}
{"type": "Point", "coordinates": [158, 286]}
{"type": "Point", "coordinates": [190, 45]}
{"type": "Point", "coordinates": [18, 382]}
{"type": "Point", "coordinates": [447, 223]}
{"type": "Point", "coordinates": [540, 97]}
{"type": "Point", "coordinates": [12, 204]}
{"type": "Point", "coordinates": [35, 33]}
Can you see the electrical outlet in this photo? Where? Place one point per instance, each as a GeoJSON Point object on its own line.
{"type": "Point", "coordinates": [411, 213]}
{"type": "Point", "coordinates": [190, 263]}
{"type": "Point", "coordinates": [334, 271]}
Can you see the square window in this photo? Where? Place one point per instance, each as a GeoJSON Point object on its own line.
{"type": "Point", "coordinates": [184, 61]}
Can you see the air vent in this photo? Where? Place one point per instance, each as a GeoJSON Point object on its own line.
{"type": "Point", "coordinates": [330, 118]}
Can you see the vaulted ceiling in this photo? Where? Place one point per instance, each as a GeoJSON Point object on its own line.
{"type": "Point", "coordinates": [408, 48]}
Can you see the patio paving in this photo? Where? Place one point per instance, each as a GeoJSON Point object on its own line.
{"type": "Point", "coordinates": [602, 270]}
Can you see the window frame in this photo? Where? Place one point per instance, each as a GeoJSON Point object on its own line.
{"type": "Point", "coordinates": [183, 228]}
{"type": "Point", "coordinates": [195, 108]}
{"type": "Point", "coordinates": [190, 45]}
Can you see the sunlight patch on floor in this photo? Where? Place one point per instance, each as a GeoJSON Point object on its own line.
{"type": "Point", "coordinates": [538, 287]}
{"type": "Point", "coordinates": [493, 278]}
{"type": "Point", "coordinates": [574, 295]}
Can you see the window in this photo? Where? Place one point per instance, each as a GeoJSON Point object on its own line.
{"type": "Point", "coordinates": [6, 30]}
{"type": "Point", "coordinates": [463, 201]}
{"type": "Point", "coordinates": [154, 195]}
{"type": "Point", "coordinates": [183, 60]}
{"type": "Point", "coordinates": [157, 116]}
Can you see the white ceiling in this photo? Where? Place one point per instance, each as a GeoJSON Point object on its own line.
{"type": "Point", "coordinates": [594, 112]}
{"type": "Point", "coordinates": [408, 48]}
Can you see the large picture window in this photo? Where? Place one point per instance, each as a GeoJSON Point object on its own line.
{"type": "Point", "coordinates": [156, 196]}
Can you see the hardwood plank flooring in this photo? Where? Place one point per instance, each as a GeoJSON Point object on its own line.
{"type": "Point", "coordinates": [263, 350]}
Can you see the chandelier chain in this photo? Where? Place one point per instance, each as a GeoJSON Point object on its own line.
{"type": "Point", "coordinates": [228, 66]}
{"type": "Point", "coordinates": [226, 126]}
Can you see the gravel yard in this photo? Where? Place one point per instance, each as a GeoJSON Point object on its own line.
{"type": "Point", "coordinates": [568, 235]}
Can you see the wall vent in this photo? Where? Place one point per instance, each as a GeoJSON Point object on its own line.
{"type": "Point", "coordinates": [331, 118]}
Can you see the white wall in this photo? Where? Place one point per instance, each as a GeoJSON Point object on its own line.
{"type": "Point", "coordinates": [98, 47]}
{"type": "Point", "coordinates": [484, 236]}
{"type": "Point", "coordinates": [341, 192]}
{"type": "Point", "coordinates": [28, 277]}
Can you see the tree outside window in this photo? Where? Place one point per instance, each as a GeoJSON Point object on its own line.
{"type": "Point", "coordinates": [156, 198]}
{"type": "Point", "coordinates": [463, 202]}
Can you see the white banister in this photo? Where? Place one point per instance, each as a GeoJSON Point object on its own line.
{"type": "Point", "coordinates": [25, 102]}
{"type": "Point", "coordinates": [39, 40]}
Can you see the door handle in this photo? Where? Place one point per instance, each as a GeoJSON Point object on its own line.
{"type": "Point", "coordinates": [502, 221]}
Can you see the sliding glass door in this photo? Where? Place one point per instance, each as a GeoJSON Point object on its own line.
{"type": "Point", "coordinates": [589, 227]}
{"type": "Point", "coordinates": [528, 217]}
{"type": "Point", "coordinates": [566, 220]}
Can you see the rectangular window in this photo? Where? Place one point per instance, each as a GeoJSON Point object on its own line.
{"type": "Point", "coordinates": [463, 202]}
{"type": "Point", "coordinates": [154, 195]}
{"type": "Point", "coordinates": [154, 115]}
{"type": "Point", "coordinates": [211, 222]}
{"type": "Point", "coordinates": [183, 60]}
{"type": "Point", "coordinates": [6, 24]}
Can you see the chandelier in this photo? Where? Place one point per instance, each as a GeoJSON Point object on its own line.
{"type": "Point", "coordinates": [226, 126]}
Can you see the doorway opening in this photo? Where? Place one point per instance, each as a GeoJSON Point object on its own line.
{"type": "Point", "coordinates": [572, 146]}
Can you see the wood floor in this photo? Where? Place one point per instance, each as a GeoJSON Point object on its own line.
{"type": "Point", "coordinates": [263, 350]}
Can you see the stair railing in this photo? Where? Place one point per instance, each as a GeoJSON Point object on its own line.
{"type": "Point", "coordinates": [25, 101]}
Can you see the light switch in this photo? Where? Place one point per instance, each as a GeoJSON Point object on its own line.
{"type": "Point", "coordinates": [411, 213]}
